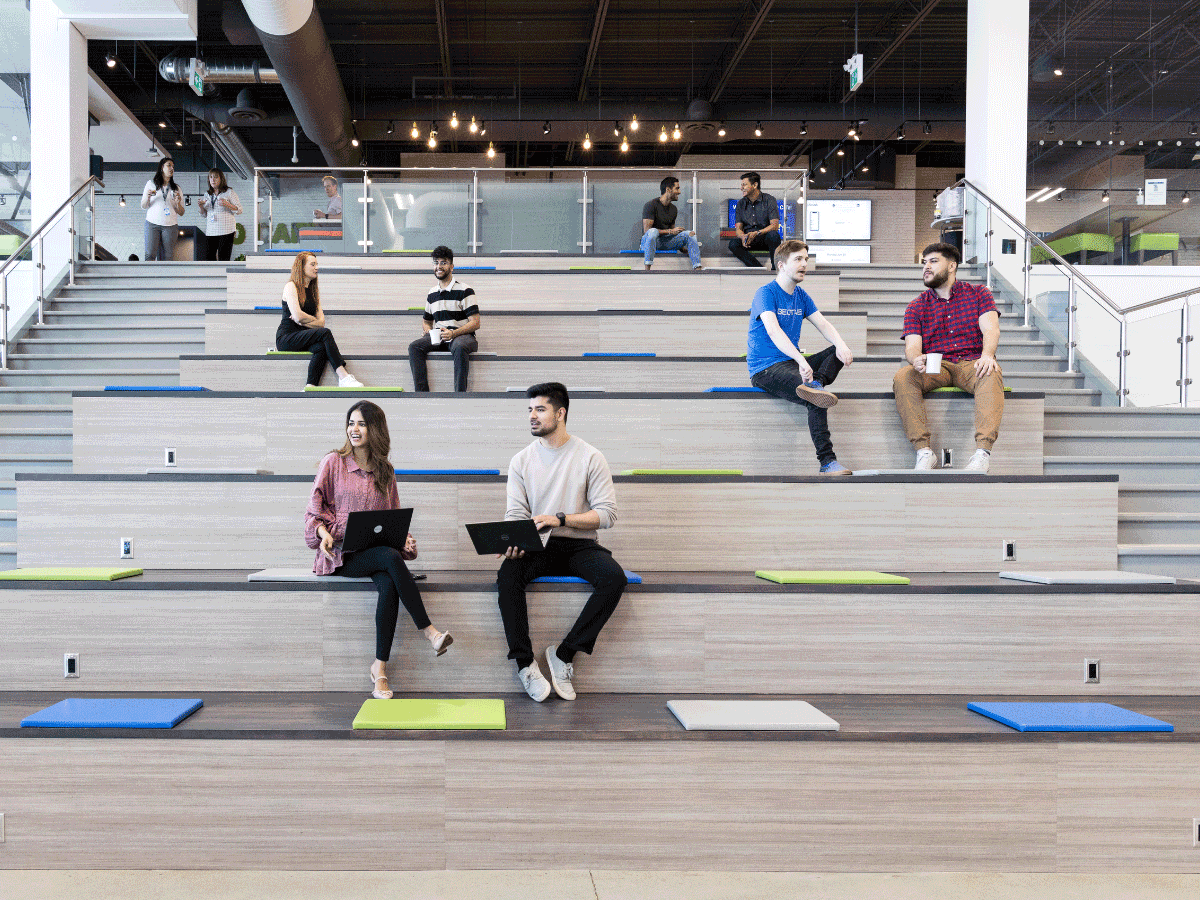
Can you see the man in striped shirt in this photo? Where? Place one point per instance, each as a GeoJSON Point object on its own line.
{"type": "Point", "coordinates": [960, 322]}
{"type": "Point", "coordinates": [450, 322]}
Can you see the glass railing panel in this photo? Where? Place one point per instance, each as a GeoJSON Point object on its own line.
{"type": "Point", "coordinates": [20, 286]}
{"type": "Point", "coordinates": [720, 191]}
{"type": "Point", "coordinates": [530, 212]}
{"type": "Point", "coordinates": [616, 208]}
{"type": "Point", "coordinates": [297, 212]}
{"type": "Point", "coordinates": [84, 227]}
{"type": "Point", "coordinates": [1049, 292]}
{"type": "Point", "coordinates": [412, 212]}
{"type": "Point", "coordinates": [974, 229]}
{"type": "Point", "coordinates": [56, 252]}
{"type": "Point", "coordinates": [1098, 340]}
{"type": "Point", "coordinates": [1155, 356]}
{"type": "Point", "coordinates": [1193, 348]}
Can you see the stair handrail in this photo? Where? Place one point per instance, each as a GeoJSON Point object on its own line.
{"type": "Point", "coordinates": [37, 237]}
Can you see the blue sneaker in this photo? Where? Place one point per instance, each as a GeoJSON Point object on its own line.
{"type": "Point", "coordinates": [835, 468]}
{"type": "Point", "coordinates": [814, 392]}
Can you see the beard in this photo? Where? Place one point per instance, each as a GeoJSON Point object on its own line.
{"type": "Point", "coordinates": [936, 281]}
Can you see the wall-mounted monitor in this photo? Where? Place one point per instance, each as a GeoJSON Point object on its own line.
{"type": "Point", "coordinates": [838, 220]}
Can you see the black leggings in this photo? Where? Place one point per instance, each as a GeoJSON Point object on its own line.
{"type": "Point", "coordinates": [317, 340]}
{"type": "Point", "coordinates": [386, 567]}
{"type": "Point", "coordinates": [219, 247]}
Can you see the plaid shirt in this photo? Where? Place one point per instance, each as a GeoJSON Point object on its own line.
{"type": "Point", "coordinates": [950, 327]}
{"type": "Point", "coordinates": [218, 219]}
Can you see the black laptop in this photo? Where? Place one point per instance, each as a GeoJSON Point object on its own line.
{"type": "Point", "coordinates": [497, 537]}
{"type": "Point", "coordinates": [377, 528]}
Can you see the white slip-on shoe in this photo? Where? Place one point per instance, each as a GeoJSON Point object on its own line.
{"type": "Point", "coordinates": [979, 462]}
{"type": "Point", "coordinates": [534, 682]}
{"type": "Point", "coordinates": [561, 673]}
{"type": "Point", "coordinates": [926, 460]}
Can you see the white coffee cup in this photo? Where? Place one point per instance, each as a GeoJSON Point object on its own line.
{"type": "Point", "coordinates": [933, 363]}
{"type": "Point", "coordinates": [435, 336]}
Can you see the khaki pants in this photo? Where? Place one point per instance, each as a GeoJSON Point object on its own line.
{"type": "Point", "coordinates": [910, 387]}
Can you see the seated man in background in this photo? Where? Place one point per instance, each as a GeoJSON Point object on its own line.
{"type": "Point", "coordinates": [960, 323]}
{"type": "Point", "coordinates": [334, 208]}
{"type": "Point", "coordinates": [658, 226]}
{"type": "Point", "coordinates": [756, 221]}
{"type": "Point", "coordinates": [450, 322]}
{"type": "Point", "coordinates": [773, 355]}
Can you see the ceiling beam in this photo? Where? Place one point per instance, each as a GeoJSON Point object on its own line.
{"type": "Point", "coordinates": [443, 29]}
{"type": "Point", "coordinates": [593, 48]}
{"type": "Point", "coordinates": [756, 23]}
{"type": "Point", "coordinates": [895, 44]}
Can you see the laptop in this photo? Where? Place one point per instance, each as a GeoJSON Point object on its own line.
{"type": "Point", "coordinates": [497, 537]}
{"type": "Point", "coordinates": [377, 528]}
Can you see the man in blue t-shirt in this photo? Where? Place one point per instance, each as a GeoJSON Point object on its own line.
{"type": "Point", "coordinates": [773, 352]}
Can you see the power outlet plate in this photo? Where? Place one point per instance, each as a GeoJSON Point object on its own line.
{"type": "Point", "coordinates": [1008, 551]}
{"type": "Point", "coordinates": [1091, 671]}
{"type": "Point", "coordinates": [947, 458]}
{"type": "Point", "coordinates": [169, 456]}
{"type": "Point", "coordinates": [126, 548]}
{"type": "Point", "coordinates": [70, 665]}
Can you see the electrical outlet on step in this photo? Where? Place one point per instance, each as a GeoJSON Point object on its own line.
{"type": "Point", "coordinates": [947, 458]}
{"type": "Point", "coordinates": [126, 548]}
{"type": "Point", "coordinates": [169, 456]}
{"type": "Point", "coordinates": [1091, 671]}
{"type": "Point", "coordinates": [70, 665]}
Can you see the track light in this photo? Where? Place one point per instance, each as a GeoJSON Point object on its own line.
{"type": "Point", "coordinates": [122, 199]}
{"type": "Point", "coordinates": [1057, 192]}
{"type": "Point", "coordinates": [416, 132]}
{"type": "Point", "coordinates": [1187, 198]}
{"type": "Point", "coordinates": [821, 170]}
{"type": "Point", "coordinates": [453, 119]}
{"type": "Point", "coordinates": [624, 144]}
{"type": "Point", "coordinates": [391, 126]}
{"type": "Point", "coordinates": [804, 128]}
{"type": "Point", "coordinates": [1192, 131]}
{"type": "Point", "coordinates": [1058, 70]}
{"type": "Point", "coordinates": [1116, 129]}
{"type": "Point", "coordinates": [758, 129]}
{"type": "Point", "coordinates": [474, 126]}
{"type": "Point", "coordinates": [1050, 128]}
{"type": "Point", "coordinates": [110, 60]}
{"type": "Point", "coordinates": [841, 152]}
{"type": "Point", "coordinates": [162, 124]}
{"type": "Point", "coordinates": [354, 138]}
{"type": "Point", "coordinates": [616, 128]}
{"type": "Point", "coordinates": [178, 143]}
{"type": "Point", "coordinates": [491, 150]}
{"type": "Point", "coordinates": [900, 132]}
{"type": "Point", "coordinates": [633, 123]}
{"type": "Point", "coordinates": [852, 131]}
{"type": "Point", "coordinates": [662, 135]}
{"type": "Point", "coordinates": [928, 129]}
{"type": "Point", "coordinates": [546, 127]}
{"type": "Point", "coordinates": [721, 130]}
{"type": "Point", "coordinates": [1104, 197]}
{"type": "Point", "coordinates": [676, 134]}
{"type": "Point", "coordinates": [864, 169]}
{"type": "Point", "coordinates": [587, 141]}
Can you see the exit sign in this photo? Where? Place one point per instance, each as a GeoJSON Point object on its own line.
{"type": "Point", "coordinates": [854, 65]}
{"type": "Point", "coordinates": [198, 77]}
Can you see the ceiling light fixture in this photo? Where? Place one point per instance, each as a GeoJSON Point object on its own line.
{"type": "Point", "coordinates": [721, 130]}
{"type": "Point", "coordinates": [587, 141]}
{"type": "Point", "coordinates": [1058, 71]}
{"type": "Point", "coordinates": [662, 135]}
{"type": "Point", "coordinates": [1187, 198]}
{"type": "Point", "coordinates": [111, 60]}
{"type": "Point", "coordinates": [624, 144]}
{"type": "Point", "coordinates": [122, 199]}
{"type": "Point", "coordinates": [841, 152]}
{"type": "Point", "coordinates": [900, 132]}
{"type": "Point", "coordinates": [758, 129]}
{"type": "Point", "coordinates": [1036, 194]}
{"type": "Point", "coordinates": [483, 128]}
{"type": "Point", "coordinates": [1053, 193]}
{"type": "Point", "coordinates": [453, 119]}
{"type": "Point", "coordinates": [676, 134]}
{"type": "Point", "coordinates": [546, 127]}
{"type": "Point", "coordinates": [821, 170]}
{"type": "Point", "coordinates": [416, 132]}
{"type": "Point", "coordinates": [391, 126]}
{"type": "Point", "coordinates": [804, 128]}
{"type": "Point", "coordinates": [1050, 128]}
{"type": "Point", "coordinates": [491, 151]}
{"type": "Point", "coordinates": [1104, 197]}
{"type": "Point", "coordinates": [633, 123]}
{"type": "Point", "coordinates": [178, 143]}
{"type": "Point", "coordinates": [473, 127]}
{"type": "Point", "coordinates": [616, 129]}
{"type": "Point", "coordinates": [853, 131]}
{"type": "Point", "coordinates": [928, 129]}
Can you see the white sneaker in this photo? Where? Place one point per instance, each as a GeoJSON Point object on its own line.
{"type": "Point", "coordinates": [979, 462]}
{"type": "Point", "coordinates": [926, 460]}
{"type": "Point", "coordinates": [349, 382]}
{"type": "Point", "coordinates": [535, 684]}
{"type": "Point", "coordinates": [561, 673]}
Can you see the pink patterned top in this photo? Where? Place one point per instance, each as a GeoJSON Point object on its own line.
{"type": "Point", "coordinates": [341, 487]}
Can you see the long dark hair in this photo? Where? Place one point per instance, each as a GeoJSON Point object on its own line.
{"type": "Point", "coordinates": [222, 184]}
{"type": "Point", "coordinates": [379, 444]}
{"type": "Point", "coordinates": [159, 181]}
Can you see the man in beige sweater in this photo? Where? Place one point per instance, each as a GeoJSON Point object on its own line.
{"type": "Point", "coordinates": [565, 486]}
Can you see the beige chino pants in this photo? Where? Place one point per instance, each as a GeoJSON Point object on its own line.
{"type": "Point", "coordinates": [911, 386]}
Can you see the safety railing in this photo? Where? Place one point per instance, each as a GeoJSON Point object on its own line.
{"type": "Point", "coordinates": [1130, 347]}
{"type": "Point", "coordinates": [71, 226]}
{"type": "Point", "coordinates": [494, 211]}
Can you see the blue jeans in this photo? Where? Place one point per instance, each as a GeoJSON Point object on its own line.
{"type": "Point", "coordinates": [782, 379]}
{"type": "Point", "coordinates": [652, 241]}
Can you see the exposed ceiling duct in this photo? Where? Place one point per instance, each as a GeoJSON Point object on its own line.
{"type": "Point", "coordinates": [233, 150]}
{"type": "Point", "coordinates": [178, 70]}
{"type": "Point", "coordinates": [294, 39]}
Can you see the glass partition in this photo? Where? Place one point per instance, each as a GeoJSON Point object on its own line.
{"type": "Point", "coordinates": [1155, 355]}
{"type": "Point", "coordinates": [530, 212]}
{"type": "Point", "coordinates": [616, 208]}
{"type": "Point", "coordinates": [412, 212]}
{"type": "Point", "coordinates": [1193, 351]}
{"type": "Point", "coordinates": [85, 233]}
{"type": "Point", "coordinates": [1098, 342]}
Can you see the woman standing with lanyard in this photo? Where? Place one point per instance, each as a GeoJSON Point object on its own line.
{"type": "Point", "coordinates": [219, 206]}
{"type": "Point", "coordinates": [163, 202]}
{"type": "Point", "coordinates": [357, 478]}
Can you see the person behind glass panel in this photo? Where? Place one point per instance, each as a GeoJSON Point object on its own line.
{"type": "Point", "coordinates": [756, 222]}
{"type": "Point", "coordinates": [334, 208]}
{"type": "Point", "coordinates": [658, 227]}
{"type": "Point", "coordinates": [163, 201]}
{"type": "Point", "coordinates": [357, 478]}
{"type": "Point", "coordinates": [219, 206]}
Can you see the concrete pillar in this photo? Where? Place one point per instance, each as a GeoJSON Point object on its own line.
{"type": "Point", "coordinates": [997, 110]}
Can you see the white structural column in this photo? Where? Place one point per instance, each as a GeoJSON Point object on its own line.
{"type": "Point", "coordinates": [997, 110]}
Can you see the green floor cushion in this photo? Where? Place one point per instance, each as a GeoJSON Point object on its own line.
{"type": "Point", "coordinates": [780, 576]}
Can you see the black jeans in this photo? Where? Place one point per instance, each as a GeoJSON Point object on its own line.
{"type": "Point", "coordinates": [395, 583]}
{"type": "Point", "coordinates": [562, 556]}
{"type": "Point", "coordinates": [461, 348]}
{"type": "Point", "coordinates": [768, 242]}
{"type": "Point", "coordinates": [218, 246]}
{"type": "Point", "coordinates": [783, 378]}
{"type": "Point", "coordinates": [318, 340]}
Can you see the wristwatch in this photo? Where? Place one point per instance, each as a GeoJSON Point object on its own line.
{"type": "Point", "coordinates": [562, 520]}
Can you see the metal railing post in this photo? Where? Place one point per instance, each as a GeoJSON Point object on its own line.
{"type": "Point", "coordinates": [92, 211]}
{"type": "Point", "coordinates": [257, 200]}
{"type": "Point", "coordinates": [475, 211]}
{"type": "Point", "coordinates": [270, 221]}
{"type": "Point", "coordinates": [74, 247]}
{"type": "Point", "coordinates": [1123, 365]}
{"type": "Point", "coordinates": [4, 321]}
{"type": "Point", "coordinates": [1185, 339]}
{"type": "Point", "coordinates": [987, 240]}
{"type": "Point", "coordinates": [41, 267]}
{"type": "Point", "coordinates": [366, 199]}
{"type": "Point", "coordinates": [1028, 252]}
{"type": "Point", "coordinates": [1071, 326]}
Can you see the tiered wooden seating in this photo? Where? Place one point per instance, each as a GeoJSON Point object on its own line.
{"type": "Point", "coordinates": [759, 434]}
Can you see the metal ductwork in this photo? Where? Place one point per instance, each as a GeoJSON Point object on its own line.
{"type": "Point", "coordinates": [294, 39]}
{"type": "Point", "coordinates": [232, 149]}
{"type": "Point", "coordinates": [178, 70]}
{"type": "Point", "coordinates": [245, 111]}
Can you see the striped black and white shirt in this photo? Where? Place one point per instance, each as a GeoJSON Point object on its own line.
{"type": "Point", "coordinates": [452, 306]}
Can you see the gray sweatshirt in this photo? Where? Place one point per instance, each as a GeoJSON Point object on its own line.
{"type": "Point", "coordinates": [572, 479]}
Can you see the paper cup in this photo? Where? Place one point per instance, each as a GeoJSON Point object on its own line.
{"type": "Point", "coordinates": [933, 363]}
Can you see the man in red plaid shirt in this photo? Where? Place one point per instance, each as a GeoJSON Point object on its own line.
{"type": "Point", "coordinates": [959, 321]}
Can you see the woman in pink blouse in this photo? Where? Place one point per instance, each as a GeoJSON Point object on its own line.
{"type": "Point", "coordinates": [356, 478]}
